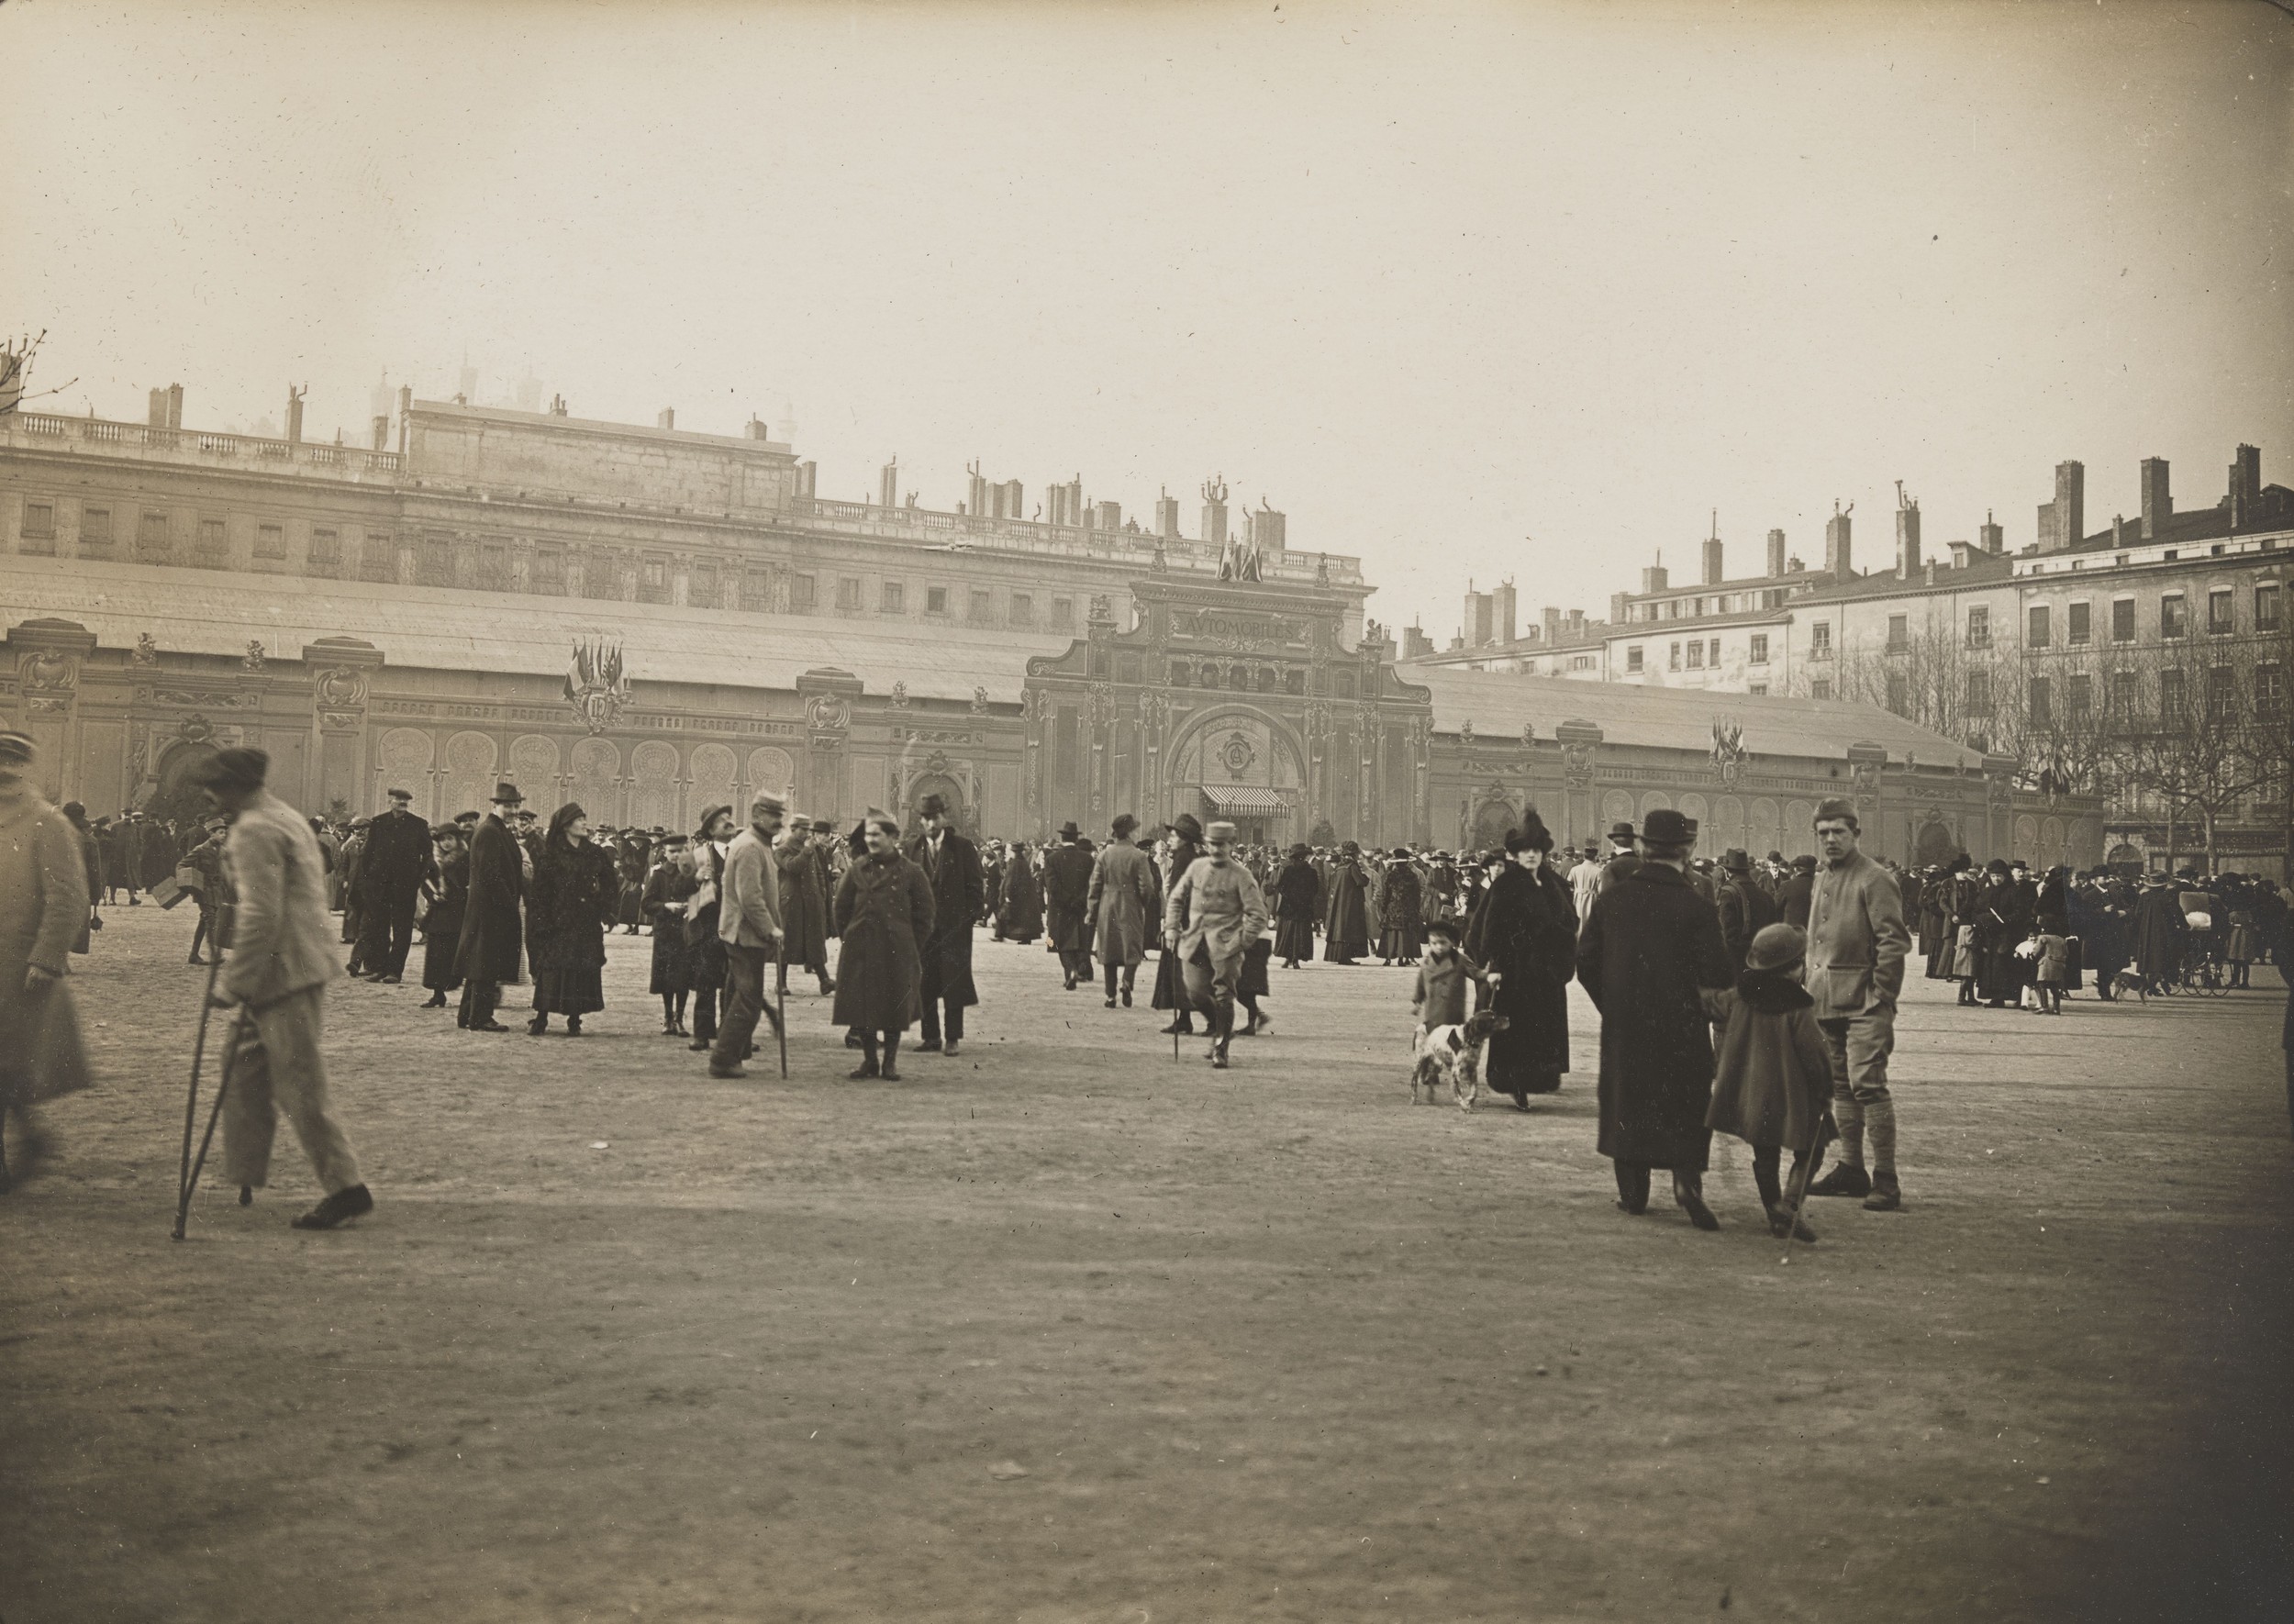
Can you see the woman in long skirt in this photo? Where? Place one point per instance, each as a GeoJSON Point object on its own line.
{"type": "Point", "coordinates": [662, 903]}
{"type": "Point", "coordinates": [1399, 912]}
{"type": "Point", "coordinates": [1019, 904]}
{"type": "Point", "coordinates": [441, 926]}
{"type": "Point", "coordinates": [1186, 845]}
{"type": "Point", "coordinates": [1297, 904]}
{"type": "Point", "coordinates": [1526, 933]}
{"type": "Point", "coordinates": [575, 894]}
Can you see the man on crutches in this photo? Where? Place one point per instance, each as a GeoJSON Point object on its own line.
{"type": "Point", "coordinates": [281, 960]}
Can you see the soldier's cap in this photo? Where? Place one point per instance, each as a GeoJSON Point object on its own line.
{"type": "Point", "coordinates": [1806, 859]}
{"type": "Point", "coordinates": [360, 823]}
{"type": "Point", "coordinates": [1836, 807]}
{"type": "Point", "coordinates": [238, 768]}
{"type": "Point", "coordinates": [16, 748]}
{"type": "Point", "coordinates": [1776, 946]}
{"type": "Point", "coordinates": [1665, 826]}
{"type": "Point", "coordinates": [766, 801]}
{"type": "Point", "coordinates": [1220, 830]}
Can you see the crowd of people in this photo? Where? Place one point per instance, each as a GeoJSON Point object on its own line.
{"type": "Point", "coordinates": [1754, 996]}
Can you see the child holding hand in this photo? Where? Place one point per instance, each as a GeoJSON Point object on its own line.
{"type": "Point", "coordinates": [1773, 1080]}
{"type": "Point", "coordinates": [1439, 998]}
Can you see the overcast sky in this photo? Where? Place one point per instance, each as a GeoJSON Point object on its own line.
{"type": "Point", "coordinates": [1469, 291]}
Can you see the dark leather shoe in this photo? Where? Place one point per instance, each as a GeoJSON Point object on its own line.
{"type": "Point", "coordinates": [1843, 1180]}
{"type": "Point", "coordinates": [1781, 1224]}
{"type": "Point", "coordinates": [1693, 1203]}
{"type": "Point", "coordinates": [949, 1047]}
{"type": "Point", "coordinates": [489, 1026]}
{"type": "Point", "coordinates": [339, 1208]}
{"type": "Point", "coordinates": [929, 1046]}
{"type": "Point", "coordinates": [866, 1068]}
{"type": "Point", "coordinates": [729, 1073]}
{"type": "Point", "coordinates": [1886, 1196]}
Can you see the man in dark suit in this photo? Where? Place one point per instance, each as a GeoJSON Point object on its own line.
{"type": "Point", "coordinates": [952, 866]}
{"type": "Point", "coordinates": [398, 861]}
{"type": "Point", "coordinates": [1067, 904]}
{"type": "Point", "coordinates": [492, 929]}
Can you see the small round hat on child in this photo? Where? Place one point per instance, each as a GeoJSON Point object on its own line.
{"type": "Point", "coordinates": [1776, 946]}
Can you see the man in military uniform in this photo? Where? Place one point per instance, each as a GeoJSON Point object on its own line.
{"type": "Point", "coordinates": [1214, 913]}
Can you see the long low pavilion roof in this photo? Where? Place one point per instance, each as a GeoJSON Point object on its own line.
{"type": "Point", "coordinates": [197, 612]}
{"type": "Point", "coordinates": [1498, 704]}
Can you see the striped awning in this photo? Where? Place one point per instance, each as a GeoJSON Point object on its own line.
{"type": "Point", "coordinates": [1236, 797]}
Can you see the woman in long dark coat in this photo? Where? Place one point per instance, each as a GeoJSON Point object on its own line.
{"type": "Point", "coordinates": [706, 967]}
{"type": "Point", "coordinates": [1400, 898]}
{"type": "Point", "coordinates": [2003, 918]}
{"type": "Point", "coordinates": [1526, 931]}
{"type": "Point", "coordinates": [1186, 845]}
{"type": "Point", "coordinates": [1019, 904]}
{"type": "Point", "coordinates": [1346, 932]}
{"type": "Point", "coordinates": [576, 892]}
{"type": "Point", "coordinates": [441, 926]}
{"type": "Point", "coordinates": [662, 904]}
{"type": "Point", "coordinates": [1646, 956]}
{"type": "Point", "coordinates": [1297, 904]}
{"type": "Point", "coordinates": [884, 915]}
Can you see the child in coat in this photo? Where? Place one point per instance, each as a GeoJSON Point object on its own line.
{"type": "Point", "coordinates": [1773, 1080]}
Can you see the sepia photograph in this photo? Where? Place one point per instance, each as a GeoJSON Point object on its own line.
{"type": "Point", "coordinates": [705, 915]}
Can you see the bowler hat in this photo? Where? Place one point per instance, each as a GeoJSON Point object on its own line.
{"type": "Point", "coordinates": [1623, 833]}
{"type": "Point", "coordinates": [1736, 861]}
{"type": "Point", "coordinates": [1068, 832]}
{"type": "Point", "coordinates": [506, 795]}
{"type": "Point", "coordinates": [1665, 826]}
{"type": "Point", "coordinates": [1776, 946]}
{"type": "Point", "coordinates": [1998, 865]}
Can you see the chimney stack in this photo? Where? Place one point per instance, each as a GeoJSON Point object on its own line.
{"type": "Point", "coordinates": [1990, 537]}
{"type": "Point", "coordinates": [1653, 578]}
{"type": "Point", "coordinates": [975, 500]}
{"type": "Point", "coordinates": [1906, 534]}
{"type": "Point", "coordinates": [1505, 611]}
{"type": "Point", "coordinates": [1477, 617]}
{"type": "Point", "coordinates": [1214, 513]}
{"type": "Point", "coordinates": [405, 415]}
{"type": "Point", "coordinates": [2158, 501]}
{"type": "Point", "coordinates": [1775, 553]}
{"type": "Point", "coordinates": [755, 429]}
{"type": "Point", "coordinates": [159, 419]}
{"type": "Point", "coordinates": [1712, 551]}
{"type": "Point", "coordinates": [2245, 492]}
{"type": "Point", "coordinates": [295, 413]}
{"type": "Point", "coordinates": [382, 433]}
{"type": "Point", "coordinates": [1167, 515]}
{"type": "Point", "coordinates": [807, 479]}
{"type": "Point", "coordinates": [1576, 623]}
{"type": "Point", "coordinates": [1009, 498]}
{"type": "Point", "coordinates": [1838, 543]}
{"type": "Point", "coordinates": [667, 418]}
{"type": "Point", "coordinates": [2063, 522]}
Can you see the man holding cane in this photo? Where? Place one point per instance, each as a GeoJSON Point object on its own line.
{"type": "Point", "coordinates": [279, 964]}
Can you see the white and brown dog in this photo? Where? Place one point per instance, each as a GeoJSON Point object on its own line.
{"type": "Point", "coordinates": [1453, 1055]}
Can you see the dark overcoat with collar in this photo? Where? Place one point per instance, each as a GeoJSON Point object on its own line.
{"type": "Point", "coordinates": [1647, 955]}
{"type": "Point", "coordinates": [957, 888]}
{"type": "Point", "coordinates": [492, 928]}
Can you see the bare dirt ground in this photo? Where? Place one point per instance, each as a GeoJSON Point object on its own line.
{"type": "Point", "coordinates": [1062, 1331]}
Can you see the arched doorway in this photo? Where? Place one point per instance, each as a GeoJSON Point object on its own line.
{"type": "Point", "coordinates": [1493, 821]}
{"type": "Point", "coordinates": [1937, 844]}
{"type": "Point", "coordinates": [179, 795]}
{"type": "Point", "coordinates": [934, 783]}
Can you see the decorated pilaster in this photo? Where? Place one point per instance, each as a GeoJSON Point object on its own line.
{"type": "Point", "coordinates": [342, 669]}
{"type": "Point", "coordinates": [49, 656]}
{"type": "Point", "coordinates": [1580, 743]}
{"type": "Point", "coordinates": [1999, 772]}
{"type": "Point", "coordinates": [827, 696]}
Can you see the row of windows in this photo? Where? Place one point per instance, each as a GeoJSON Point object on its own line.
{"type": "Point", "coordinates": [1696, 654]}
{"type": "Point", "coordinates": [439, 561]}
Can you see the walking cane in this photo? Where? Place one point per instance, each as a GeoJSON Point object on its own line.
{"type": "Point", "coordinates": [189, 1180]}
{"type": "Point", "coordinates": [780, 1019]}
{"type": "Point", "coordinates": [191, 1105]}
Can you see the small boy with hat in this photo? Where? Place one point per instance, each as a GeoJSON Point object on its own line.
{"type": "Point", "coordinates": [1773, 1080]}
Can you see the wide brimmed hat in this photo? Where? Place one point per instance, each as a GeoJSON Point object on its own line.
{"type": "Point", "coordinates": [1736, 861]}
{"type": "Point", "coordinates": [1068, 832]}
{"type": "Point", "coordinates": [1776, 946]}
{"type": "Point", "coordinates": [1188, 826]}
{"type": "Point", "coordinates": [1665, 826]}
{"type": "Point", "coordinates": [506, 795]}
{"type": "Point", "coordinates": [1998, 865]}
